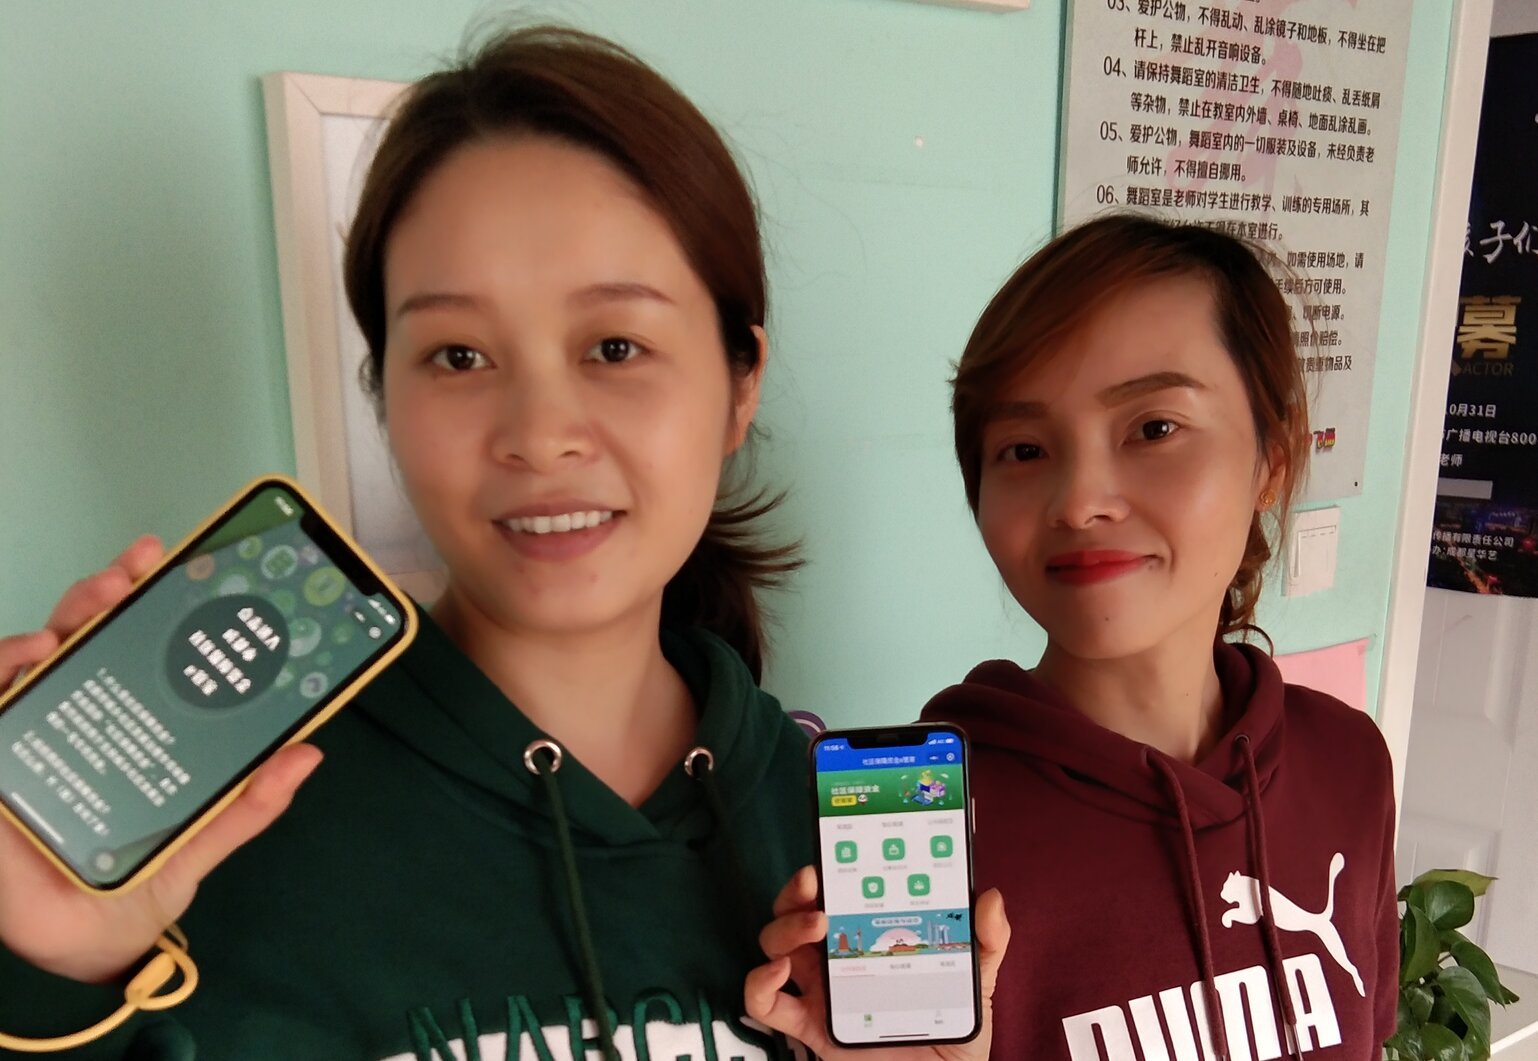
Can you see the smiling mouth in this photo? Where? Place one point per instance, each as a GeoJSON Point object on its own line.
{"type": "Point", "coordinates": [1095, 565]}
{"type": "Point", "coordinates": [561, 523]}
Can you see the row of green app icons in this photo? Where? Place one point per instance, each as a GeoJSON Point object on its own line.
{"type": "Point", "coordinates": [893, 849]}
{"type": "Point", "coordinates": [875, 887]}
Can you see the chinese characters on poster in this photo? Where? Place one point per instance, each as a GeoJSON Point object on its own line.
{"type": "Point", "coordinates": [1277, 120]}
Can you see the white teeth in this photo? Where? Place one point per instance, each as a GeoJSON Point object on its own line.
{"type": "Point", "coordinates": [559, 524]}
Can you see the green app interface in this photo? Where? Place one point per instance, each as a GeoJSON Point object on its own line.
{"type": "Point", "coordinates": [896, 888]}
{"type": "Point", "coordinates": [152, 717]}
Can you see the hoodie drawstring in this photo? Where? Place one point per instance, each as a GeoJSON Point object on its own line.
{"type": "Point", "coordinates": [1219, 1031]}
{"type": "Point", "coordinates": [546, 766]}
{"type": "Point", "coordinates": [1257, 824]}
{"type": "Point", "coordinates": [700, 764]}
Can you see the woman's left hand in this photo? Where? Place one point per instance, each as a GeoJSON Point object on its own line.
{"type": "Point", "coordinates": [790, 941]}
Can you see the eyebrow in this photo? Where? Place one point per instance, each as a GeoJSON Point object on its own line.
{"type": "Point", "coordinates": [1115, 394]}
{"type": "Point", "coordinates": [1154, 381]}
{"type": "Point", "coordinates": [436, 300]}
{"type": "Point", "coordinates": [618, 291]}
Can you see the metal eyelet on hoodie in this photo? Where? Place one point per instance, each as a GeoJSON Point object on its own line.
{"type": "Point", "coordinates": [556, 755]}
{"type": "Point", "coordinates": [699, 752]}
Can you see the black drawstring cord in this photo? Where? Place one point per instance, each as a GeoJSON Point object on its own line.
{"type": "Point", "coordinates": [546, 766]}
{"type": "Point", "coordinates": [700, 764]}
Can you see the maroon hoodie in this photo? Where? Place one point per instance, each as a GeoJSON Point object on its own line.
{"type": "Point", "coordinates": [1141, 888]}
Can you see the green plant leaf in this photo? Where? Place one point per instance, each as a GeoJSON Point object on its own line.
{"type": "Point", "coordinates": [1406, 1044]}
{"type": "Point", "coordinates": [1417, 1000]}
{"type": "Point", "coordinates": [1474, 882]}
{"type": "Point", "coordinates": [1467, 998]}
{"type": "Point", "coordinates": [1439, 1044]}
{"type": "Point", "coordinates": [1447, 903]}
{"type": "Point", "coordinates": [1419, 945]}
{"type": "Point", "coordinates": [1467, 954]}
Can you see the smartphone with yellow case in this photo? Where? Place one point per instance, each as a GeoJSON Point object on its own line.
{"type": "Point", "coordinates": [149, 720]}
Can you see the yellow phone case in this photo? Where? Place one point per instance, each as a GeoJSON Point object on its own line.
{"type": "Point", "coordinates": [342, 696]}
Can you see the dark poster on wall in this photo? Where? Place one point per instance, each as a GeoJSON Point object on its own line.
{"type": "Point", "coordinates": [1485, 538]}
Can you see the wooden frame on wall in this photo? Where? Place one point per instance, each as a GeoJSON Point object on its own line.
{"type": "Point", "coordinates": [321, 132]}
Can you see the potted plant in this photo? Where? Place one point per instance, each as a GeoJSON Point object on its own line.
{"type": "Point", "coordinates": [1446, 982]}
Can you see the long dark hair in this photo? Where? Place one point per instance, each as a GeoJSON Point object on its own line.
{"type": "Point", "coordinates": [1067, 282]}
{"type": "Point", "coordinates": [590, 92]}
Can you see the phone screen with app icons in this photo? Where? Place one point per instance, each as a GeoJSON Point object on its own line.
{"type": "Point", "coordinates": [895, 850]}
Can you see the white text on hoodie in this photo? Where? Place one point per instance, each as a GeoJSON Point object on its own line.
{"type": "Point", "coordinates": [1254, 1032]}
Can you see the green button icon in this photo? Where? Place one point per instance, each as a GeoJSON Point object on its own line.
{"type": "Point", "coordinates": [323, 586]}
{"type": "Point", "coordinates": [941, 846]}
{"type": "Point", "coordinates": [918, 884]}
{"type": "Point", "coordinates": [279, 562]}
{"type": "Point", "coordinates": [873, 887]}
{"type": "Point", "coordinates": [846, 851]}
{"type": "Point", "coordinates": [893, 849]}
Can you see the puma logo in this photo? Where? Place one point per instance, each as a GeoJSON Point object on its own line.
{"type": "Point", "coordinates": [1244, 893]}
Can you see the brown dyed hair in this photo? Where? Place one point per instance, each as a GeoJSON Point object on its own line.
{"type": "Point", "coordinates": [1063, 285]}
{"type": "Point", "coordinates": [589, 92]}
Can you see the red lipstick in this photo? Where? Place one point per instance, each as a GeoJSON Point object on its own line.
{"type": "Point", "coordinates": [1089, 566]}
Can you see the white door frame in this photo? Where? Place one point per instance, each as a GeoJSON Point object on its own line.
{"type": "Point", "coordinates": [1468, 47]}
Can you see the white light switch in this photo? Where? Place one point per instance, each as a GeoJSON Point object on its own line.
{"type": "Point", "coordinates": [1311, 551]}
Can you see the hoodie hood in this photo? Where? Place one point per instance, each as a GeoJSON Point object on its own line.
{"type": "Point", "coordinates": [1187, 902]}
{"type": "Point", "coordinates": [1002, 706]}
{"type": "Point", "coordinates": [441, 705]}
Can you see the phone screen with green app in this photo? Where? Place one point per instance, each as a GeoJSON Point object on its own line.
{"type": "Point", "coordinates": [246, 637]}
{"type": "Point", "coordinates": [895, 871]}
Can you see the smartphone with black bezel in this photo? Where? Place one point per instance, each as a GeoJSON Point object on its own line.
{"type": "Point", "coordinates": [144, 724]}
{"type": "Point", "coordinates": [894, 825]}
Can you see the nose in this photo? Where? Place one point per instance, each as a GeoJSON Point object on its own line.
{"type": "Point", "coordinates": [1086, 490]}
{"type": "Point", "coordinates": [542, 420]}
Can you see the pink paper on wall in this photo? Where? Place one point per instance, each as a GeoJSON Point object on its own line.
{"type": "Point", "coordinates": [1340, 670]}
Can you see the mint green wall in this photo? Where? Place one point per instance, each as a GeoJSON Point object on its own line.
{"type": "Point", "coordinates": [141, 345]}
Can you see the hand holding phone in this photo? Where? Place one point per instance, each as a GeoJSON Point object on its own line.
{"type": "Point", "coordinates": [120, 696]}
{"type": "Point", "coordinates": [910, 962]}
{"type": "Point", "coordinates": [794, 941]}
{"type": "Point", "coordinates": [44, 917]}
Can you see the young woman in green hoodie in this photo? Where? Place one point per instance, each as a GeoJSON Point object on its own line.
{"type": "Point", "coordinates": [541, 833]}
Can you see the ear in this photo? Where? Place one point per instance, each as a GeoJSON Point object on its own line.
{"type": "Point", "coordinates": [745, 392]}
{"type": "Point", "coordinates": [1270, 474]}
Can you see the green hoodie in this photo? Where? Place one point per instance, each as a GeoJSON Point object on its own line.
{"type": "Point", "coordinates": [412, 902]}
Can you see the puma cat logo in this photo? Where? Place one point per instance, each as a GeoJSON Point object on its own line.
{"type": "Point", "coordinates": [1244, 893]}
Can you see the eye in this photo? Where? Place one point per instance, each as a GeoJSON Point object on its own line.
{"type": "Point", "coordinates": [1154, 430]}
{"type": "Point", "coordinates": [459, 358]}
{"type": "Point", "coordinates": [1019, 453]}
{"type": "Point", "coordinates": [613, 350]}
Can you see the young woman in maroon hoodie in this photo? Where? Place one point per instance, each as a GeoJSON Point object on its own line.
{"type": "Point", "coordinates": [1199, 856]}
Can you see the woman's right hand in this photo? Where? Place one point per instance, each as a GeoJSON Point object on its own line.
{"type": "Point", "coordinates": [52, 923]}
